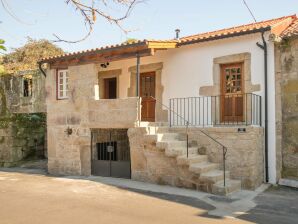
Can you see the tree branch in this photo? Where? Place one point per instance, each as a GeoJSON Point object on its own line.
{"type": "Point", "coordinates": [89, 13]}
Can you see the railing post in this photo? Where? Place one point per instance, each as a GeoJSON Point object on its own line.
{"type": "Point", "coordinates": [170, 112]}
{"type": "Point", "coordinates": [187, 123]}
{"type": "Point", "coordinates": [224, 151]}
{"type": "Point", "coordinates": [260, 108]}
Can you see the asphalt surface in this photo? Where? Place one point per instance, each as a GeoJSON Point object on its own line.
{"type": "Point", "coordinates": [38, 198]}
{"type": "Point", "coordinates": [276, 205]}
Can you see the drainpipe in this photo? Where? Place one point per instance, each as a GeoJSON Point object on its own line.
{"type": "Point", "coordinates": [138, 87]}
{"type": "Point", "coordinates": [138, 76]}
{"type": "Point", "coordinates": [40, 68]}
{"type": "Point", "coordinates": [264, 48]}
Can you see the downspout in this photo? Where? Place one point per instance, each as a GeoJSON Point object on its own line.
{"type": "Point", "coordinates": [138, 76]}
{"type": "Point", "coordinates": [138, 88]}
{"type": "Point", "coordinates": [264, 48]}
{"type": "Point", "coordinates": [40, 68]}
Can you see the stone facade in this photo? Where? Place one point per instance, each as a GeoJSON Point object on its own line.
{"type": "Point", "coordinates": [69, 153]}
{"type": "Point", "coordinates": [245, 159]}
{"type": "Point", "coordinates": [11, 87]}
{"type": "Point", "coordinates": [22, 118]}
{"type": "Point", "coordinates": [244, 156]}
{"type": "Point", "coordinates": [287, 108]}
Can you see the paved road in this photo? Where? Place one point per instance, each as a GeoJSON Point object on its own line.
{"type": "Point", "coordinates": [276, 205]}
{"type": "Point", "coordinates": [38, 198]}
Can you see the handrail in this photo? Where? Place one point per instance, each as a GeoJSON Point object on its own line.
{"type": "Point", "coordinates": [208, 110]}
{"type": "Point", "coordinates": [224, 148]}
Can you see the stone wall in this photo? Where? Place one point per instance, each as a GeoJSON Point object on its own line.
{"type": "Point", "coordinates": [70, 153]}
{"type": "Point", "coordinates": [150, 164]}
{"type": "Point", "coordinates": [22, 136]}
{"type": "Point", "coordinates": [12, 88]}
{"type": "Point", "coordinates": [22, 119]}
{"type": "Point", "coordinates": [245, 159]}
{"type": "Point", "coordinates": [287, 108]}
{"type": "Point", "coordinates": [244, 156]}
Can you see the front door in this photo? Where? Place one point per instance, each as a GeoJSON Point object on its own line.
{"type": "Point", "coordinates": [232, 103]}
{"type": "Point", "coordinates": [147, 92]}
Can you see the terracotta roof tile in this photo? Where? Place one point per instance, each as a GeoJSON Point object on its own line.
{"type": "Point", "coordinates": [292, 30]}
{"type": "Point", "coordinates": [276, 26]}
{"type": "Point", "coordinates": [240, 29]}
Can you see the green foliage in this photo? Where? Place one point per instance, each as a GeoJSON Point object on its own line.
{"type": "Point", "coordinates": [130, 41]}
{"type": "Point", "coordinates": [26, 57]}
{"type": "Point", "coordinates": [3, 103]}
{"type": "Point", "coordinates": [2, 47]}
{"type": "Point", "coordinates": [31, 121]}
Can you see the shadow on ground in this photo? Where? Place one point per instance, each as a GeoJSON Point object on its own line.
{"type": "Point", "coordinates": [276, 205]}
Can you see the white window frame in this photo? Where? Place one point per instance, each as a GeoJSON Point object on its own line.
{"type": "Point", "coordinates": [62, 84]}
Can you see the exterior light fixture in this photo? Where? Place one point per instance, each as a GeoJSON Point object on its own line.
{"type": "Point", "coordinates": [68, 131]}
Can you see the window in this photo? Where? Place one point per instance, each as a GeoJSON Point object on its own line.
{"type": "Point", "coordinates": [62, 84]}
{"type": "Point", "coordinates": [110, 88]}
{"type": "Point", "coordinates": [27, 86]}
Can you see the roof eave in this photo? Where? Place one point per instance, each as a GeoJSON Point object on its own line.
{"type": "Point", "coordinates": [263, 29]}
{"type": "Point", "coordinates": [100, 50]}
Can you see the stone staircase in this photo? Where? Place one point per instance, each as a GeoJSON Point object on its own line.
{"type": "Point", "coordinates": [210, 177]}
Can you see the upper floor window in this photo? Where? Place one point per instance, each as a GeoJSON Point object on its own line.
{"type": "Point", "coordinates": [62, 84]}
{"type": "Point", "coordinates": [27, 86]}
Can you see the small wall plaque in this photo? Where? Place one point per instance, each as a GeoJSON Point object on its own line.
{"type": "Point", "coordinates": [110, 148]}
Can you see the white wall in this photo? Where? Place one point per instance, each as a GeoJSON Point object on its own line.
{"type": "Point", "coordinates": [188, 68]}
{"type": "Point", "coordinates": [271, 115]}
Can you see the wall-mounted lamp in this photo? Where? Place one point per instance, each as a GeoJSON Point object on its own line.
{"type": "Point", "coordinates": [68, 131]}
{"type": "Point", "coordinates": [105, 65]}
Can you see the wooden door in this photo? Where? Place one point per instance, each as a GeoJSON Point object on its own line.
{"type": "Point", "coordinates": [232, 98]}
{"type": "Point", "coordinates": [147, 92]}
{"type": "Point", "coordinates": [110, 88]}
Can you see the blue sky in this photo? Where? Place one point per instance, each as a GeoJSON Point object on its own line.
{"type": "Point", "coordinates": [154, 19]}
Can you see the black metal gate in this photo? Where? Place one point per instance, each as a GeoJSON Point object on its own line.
{"type": "Point", "coordinates": [110, 153]}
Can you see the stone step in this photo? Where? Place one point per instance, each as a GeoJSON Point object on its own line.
{"type": "Point", "coordinates": [154, 124]}
{"type": "Point", "coordinates": [150, 139]}
{"type": "Point", "coordinates": [164, 137]}
{"type": "Point", "coordinates": [192, 158]}
{"type": "Point", "coordinates": [171, 144]}
{"type": "Point", "coordinates": [174, 152]}
{"type": "Point", "coordinates": [231, 186]}
{"type": "Point", "coordinates": [203, 167]}
{"type": "Point", "coordinates": [214, 176]}
{"type": "Point", "coordinates": [168, 137]}
{"type": "Point", "coordinates": [157, 130]}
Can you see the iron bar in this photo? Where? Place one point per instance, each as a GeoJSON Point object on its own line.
{"type": "Point", "coordinates": [224, 150]}
{"type": "Point", "coordinates": [197, 110]}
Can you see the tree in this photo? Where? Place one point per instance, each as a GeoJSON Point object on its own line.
{"type": "Point", "coordinates": [2, 47]}
{"type": "Point", "coordinates": [90, 10]}
{"type": "Point", "coordinates": [26, 57]}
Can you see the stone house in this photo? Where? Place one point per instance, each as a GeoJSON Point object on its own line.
{"type": "Point", "coordinates": [22, 117]}
{"type": "Point", "coordinates": [286, 82]}
{"type": "Point", "coordinates": [196, 111]}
